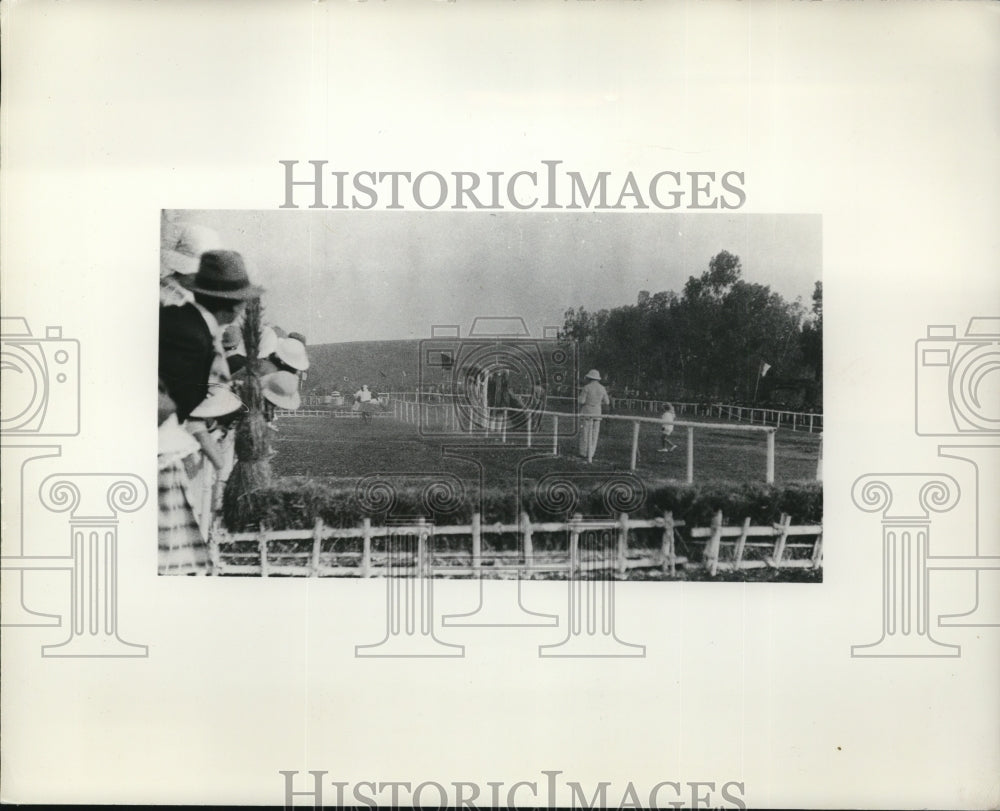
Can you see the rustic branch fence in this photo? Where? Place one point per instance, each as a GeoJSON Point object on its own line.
{"type": "Point", "coordinates": [585, 545]}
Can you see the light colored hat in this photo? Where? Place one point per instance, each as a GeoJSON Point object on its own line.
{"type": "Point", "coordinates": [182, 244]}
{"type": "Point", "coordinates": [268, 342]}
{"type": "Point", "coordinates": [593, 374]}
{"type": "Point", "coordinates": [292, 353]}
{"type": "Point", "coordinates": [220, 401]}
{"type": "Point", "coordinates": [281, 389]}
{"type": "Point", "coordinates": [173, 441]}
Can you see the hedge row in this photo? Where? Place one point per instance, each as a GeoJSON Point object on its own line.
{"type": "Point", "coordinates": [295, 503]}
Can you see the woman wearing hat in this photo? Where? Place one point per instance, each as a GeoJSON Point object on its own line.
{"type": "Point", "coordinates": [181, 247]}
{"type": "Point", "coordinates": [593, 396]}
{"type": "Point", "coordinates": [182, 547]}
{"type": "Point", "coordinates": [211, 425]}
{"type": "Point", "coordinates": [191, 351]}
{"type": "Point", "coordinates": [281, 390]}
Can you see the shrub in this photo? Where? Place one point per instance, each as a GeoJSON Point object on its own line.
{"type": "Point", "coordinates": [295, 503]}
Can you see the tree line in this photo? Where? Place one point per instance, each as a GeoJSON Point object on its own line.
{"type": "Point", "coordinates": [722, 338]}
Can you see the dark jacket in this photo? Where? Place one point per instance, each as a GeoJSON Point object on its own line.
{"type": "Point", "coordinates": [186, 354]}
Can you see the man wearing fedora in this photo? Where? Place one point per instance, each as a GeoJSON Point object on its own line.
{"type": "Point", "coordinates": [191, 351]}
{"type": "Point", "coordinates": [592, 397]}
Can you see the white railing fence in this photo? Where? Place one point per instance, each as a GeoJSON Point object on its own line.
{"type": "Point", "coordinates": [808, 421]}
{"type": "Point", "coordinates": [544, 427]}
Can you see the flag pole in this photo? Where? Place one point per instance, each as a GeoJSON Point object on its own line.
{"type": "Point", "coordinates": [762, 370]}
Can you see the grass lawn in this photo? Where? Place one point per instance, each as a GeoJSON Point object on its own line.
{"type": "Point", "coordinates": [349, 449]}
{"type": "Point", "coordinates": [339, 452]}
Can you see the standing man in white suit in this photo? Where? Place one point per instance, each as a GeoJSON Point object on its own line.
{"type": "Point", "coordinates": [593, 396]}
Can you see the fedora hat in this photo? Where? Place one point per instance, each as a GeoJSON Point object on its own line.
{"type": "Point", "coordinates": [222, 274]}
{"type": "Point", "coordinates": [220, 401]}
{"type": "Point", "coordinates": [593, 374]}
{"type": "Point", "coordinates": [281, 389]}
{"type": "Point", "coordinates": [292, 353]}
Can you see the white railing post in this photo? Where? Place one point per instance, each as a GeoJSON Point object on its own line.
{"type": "Point", "coordinates": [574, 548]}
{"type": "Point", "coordinates": [622, 558]}
{"type": "Point", "coordinates": [635, 444]}
{"type": "Point", "coordinates": [366, 547]}
{"type": "Point", "coordinates": [667, 548]}
{"type": "Point", "coordinates": [555, 435]}
{"type": "Point", "coordinates": [770, 457]}
{"type": "Point", "coordinates": [714, 545]}
{"type": "Point", "coordinates": [527, 544]}
{"type": "Point", "coordinates": [317, 541]}
{"type": "Point", "coordinates": [690, 455]}
{"type": "Point", "coordinates": [477, 542]}
{"type": "Point", "coordinates": [262, 548]}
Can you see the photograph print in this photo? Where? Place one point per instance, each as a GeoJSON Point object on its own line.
{"type": "Point", "coordinates": [567, 395]}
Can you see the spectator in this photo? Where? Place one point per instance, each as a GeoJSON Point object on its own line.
{"type": "Point", "coordinates": [182, 546]}
{"type": "Point", "coordinates": [191, 352]}
{"type": "Point", "coordinates": [290, 356]}
{"type": "Point", "coordinates": [210, 424]}
{"type": "Point", "coordinates": [666, 429]}
{"type": "Point", "coordinates": [593, 396]}
{"type": "Point", "coordinates": [181, 247]}
{"type": "Point", "coordinates": [280, 390]}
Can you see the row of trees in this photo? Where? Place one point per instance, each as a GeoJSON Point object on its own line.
{"type": "Point", "coordinates": [711, 341]}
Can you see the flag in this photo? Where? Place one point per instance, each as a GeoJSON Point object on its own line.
{"type": "Point", "coordinates": [763, 368]}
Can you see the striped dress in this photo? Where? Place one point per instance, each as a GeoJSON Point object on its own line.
{"type": "Point", "coordinates": [182, 547]}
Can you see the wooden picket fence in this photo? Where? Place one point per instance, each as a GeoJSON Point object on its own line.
{"type": "Point", "coordinates": [420, 548]}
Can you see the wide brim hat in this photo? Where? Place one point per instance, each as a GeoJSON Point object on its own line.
{"type": "Point", "coordinates": [181, 247]}
{"type": "Point", "coordinates": [220, 401]}
{"type": "Point", "coordinates": [593, 374]}
{"type": "Point", "coordinates": [268, 342]}
{"type": "Point", "coordinates": [222, 274]}
{"type": "Point", "coordinates": [281, 389]}
{"type": "Point", "coordinates": [172, 440]}
{"type": "Point", "coordinates": [292, 353]}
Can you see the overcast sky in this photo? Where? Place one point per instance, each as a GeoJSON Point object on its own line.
{"type": "Point", "coordinates": [364, 275]}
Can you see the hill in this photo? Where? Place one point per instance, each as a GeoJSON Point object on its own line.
{"type": "Point", "coordinates": [383, 365]}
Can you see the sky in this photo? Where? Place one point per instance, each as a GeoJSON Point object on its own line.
{"type": "Point", "coordinates": [361, 275]}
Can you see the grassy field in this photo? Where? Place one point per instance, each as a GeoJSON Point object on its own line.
{"type": "Point", "coordinates": [349, 449]}
{"type": "Point", "coordinates": [340, 451]}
